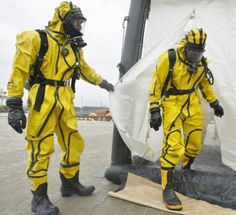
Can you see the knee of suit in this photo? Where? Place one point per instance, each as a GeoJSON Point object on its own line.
{"type": "Point", "coordinates": [172, 149]}
{"type": "Point", "coordinates": [172, 157]}
{"type": "Point", "coordinates": [76, 143]}
{"type": "Point", "coordinates": [41, 146]}
{"type": "Point", "coordinates": [193, 143]}
{"type": "Point", "coordinates": [39, 152]}
{"type": "Point", "coordinates": [173, 142]}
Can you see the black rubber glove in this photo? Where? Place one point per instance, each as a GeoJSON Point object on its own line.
{"type": "Point", "coordinates": [16, 116]}
{"type": "Point", "coordinates": [107, 86]}
{"type": "Point", "coordinates": [218, 109]}
{"type": "Point", "coordinates": [155, 120]}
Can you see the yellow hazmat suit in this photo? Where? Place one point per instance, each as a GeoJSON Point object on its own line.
{"type": "Point", "coordinates": [57, 113]}
{"type": "Point", "coordinates": [180, 75]}
{"type": "Point", "coordinates": [181, 112]}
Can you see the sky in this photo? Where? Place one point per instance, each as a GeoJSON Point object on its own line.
{"type": "Point", "coordinates": [103, 34]}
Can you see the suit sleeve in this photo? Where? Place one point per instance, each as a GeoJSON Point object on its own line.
{"type": "Point", "coordinates": [87, 73]}
{"type": "Point", "coordinates": [27, 47]}
{"type": "Point", "coordinates": [158, 80]}
{"type": "Point", "coordinates": [207, 90]}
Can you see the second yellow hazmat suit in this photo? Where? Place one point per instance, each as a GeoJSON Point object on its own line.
{"type": "Point", "coordinates": [177, 93]}
{"type": "Point", "coordinates": [57, 112]}
{"type": "Point", "coordinates": [180, 111]}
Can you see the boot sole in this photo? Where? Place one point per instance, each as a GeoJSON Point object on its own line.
{"type": "Point", "coordinates": [173, 207]}
{"type": "Point", "coordinates": [67, 193]}
{"type": "Point", "coordinates": [51, 213]}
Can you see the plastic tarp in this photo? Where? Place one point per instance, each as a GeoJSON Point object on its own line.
{"type": "Point", "coordinates": [168, 22]}
{"type": "Point", "coordinates": [215, 188]}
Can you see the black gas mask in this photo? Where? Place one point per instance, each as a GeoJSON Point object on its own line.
{"type": "Point", "coordinates": [194, 54]}
{"type": "Point", "coordinates": [76, 43]}
{"type": "Point", "coordinates": [73, 22]}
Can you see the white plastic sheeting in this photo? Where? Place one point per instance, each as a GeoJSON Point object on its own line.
{"type": "Point", "coordinates": [168, 21]}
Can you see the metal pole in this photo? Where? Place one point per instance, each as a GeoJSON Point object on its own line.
{"type": "Point", "coordinates": [131, 53]}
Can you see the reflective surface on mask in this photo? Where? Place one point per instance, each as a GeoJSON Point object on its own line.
{"type": "Point", "coordinates": [78, 24]}
{"type": "Point", "coordinates": [194, 56]}
{"type": "Point", "coordinates": [74, 22]}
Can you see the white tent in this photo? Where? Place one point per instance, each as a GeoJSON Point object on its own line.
{"type": "Point", "coordinates": [168, 22]}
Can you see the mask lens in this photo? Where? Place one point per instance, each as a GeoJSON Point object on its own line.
{"type": "Point", "coordinates": [194, 56]}
{"type": "Point", "coordinates": [78, 24]}
{"type": "Point", "coordinates": [74, 22]}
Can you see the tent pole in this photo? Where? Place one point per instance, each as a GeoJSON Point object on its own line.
{"type": "Point", "coordinates": [131, 53]}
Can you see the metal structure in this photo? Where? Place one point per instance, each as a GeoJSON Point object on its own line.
{"type": "Point", "coordinates": [131, 53]}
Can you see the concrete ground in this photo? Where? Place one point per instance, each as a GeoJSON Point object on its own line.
{"type": "Point", "coordinates": [15, 191]}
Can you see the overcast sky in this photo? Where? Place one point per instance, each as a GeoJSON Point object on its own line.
{"type": "Point", "coordinates": [103, 33]}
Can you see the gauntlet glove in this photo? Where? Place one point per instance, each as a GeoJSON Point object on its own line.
{"type": "Point", "coordinates": [16, 116]}
{"type": "Point", "coordinates": [155, 120]}
{"type": "Point", "coordinates": [107, 86]}
{"type": "Point", "coordinates": [218, 109]}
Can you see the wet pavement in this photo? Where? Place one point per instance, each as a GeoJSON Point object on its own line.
{"type": "Point", "coordinates": [15, 190]}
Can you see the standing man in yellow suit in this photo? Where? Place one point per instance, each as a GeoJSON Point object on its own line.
{"type": "Point", "coordinates": [51, 60]}
{"type": "Point", "coordinates": [180, 74]}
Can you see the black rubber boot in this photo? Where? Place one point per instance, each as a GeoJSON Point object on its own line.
{"type": "Point", "coordinates": [73, 186]}
{"type": "Point", "coordinates": [41, 204]}
{"type": "Point", "coordinates": [187, 162]}
{"type": "Point", "coordinates": [170, 199]}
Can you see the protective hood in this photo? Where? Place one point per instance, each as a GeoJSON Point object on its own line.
{"type": "Point", "coordinates": [197, 38]}
{"type": "Point", "coordinates": [195, 41]}
{"type": "Point", "coordinates": [181, 48]}
{"type": "Point", "coordinates": [60, 12]}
